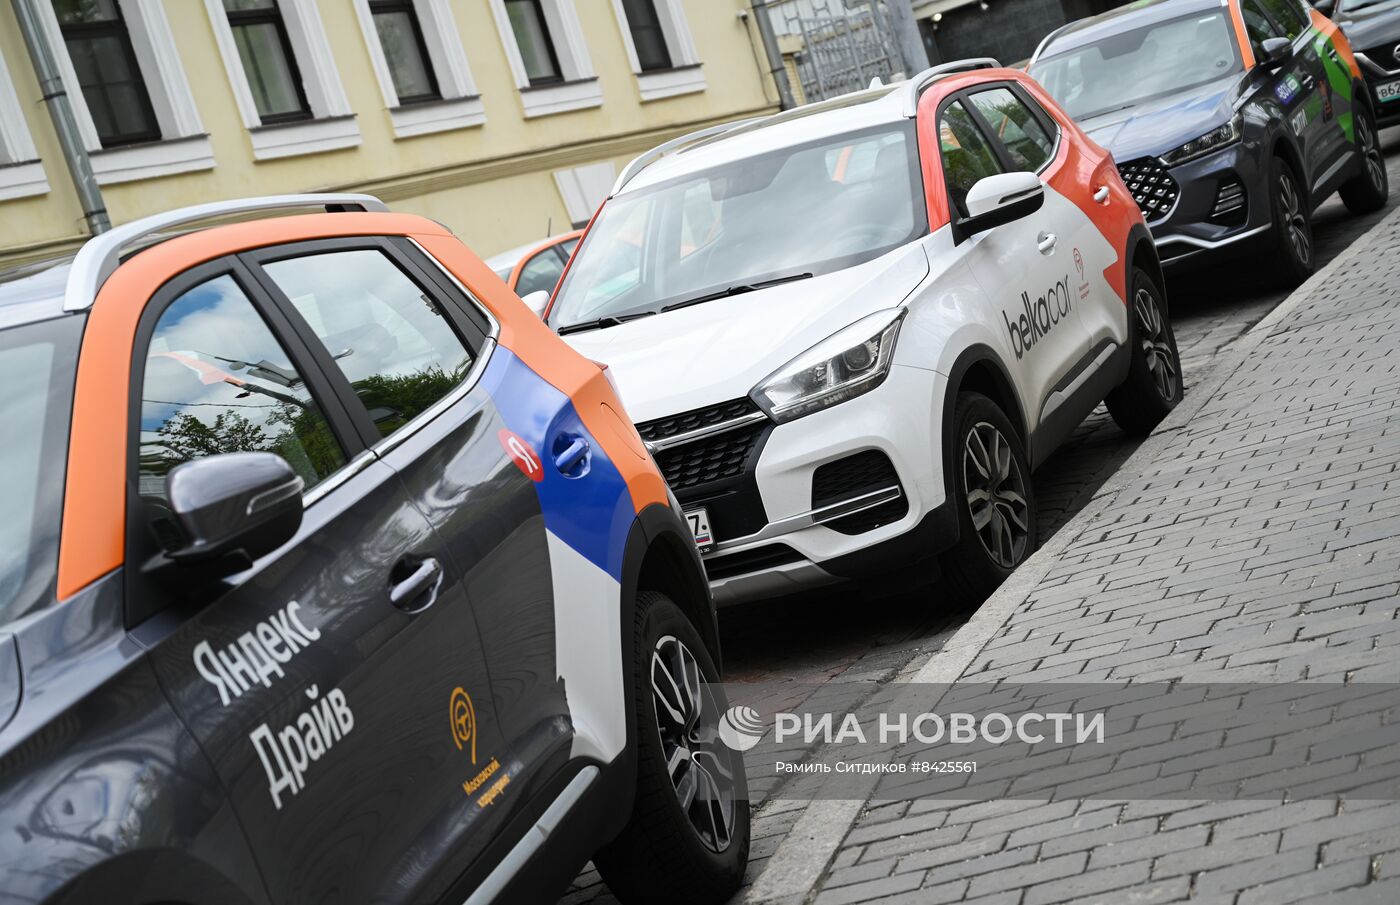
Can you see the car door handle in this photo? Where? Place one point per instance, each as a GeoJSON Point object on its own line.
{"type": "Point", "coordinates": [572, 460]}
{"type": "Point", "coordinates": [1046, 243]}
{"type": "Point", "coordinates": [1101, 196]}
{"type": "Point", "coordinates": [418, 590]}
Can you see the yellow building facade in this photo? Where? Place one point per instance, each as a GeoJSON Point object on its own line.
{"type": "Point", "coordinates": [506, 120]}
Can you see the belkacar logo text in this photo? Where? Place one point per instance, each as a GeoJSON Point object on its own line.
{"type": "Point", "coordinates": [1039, 317]}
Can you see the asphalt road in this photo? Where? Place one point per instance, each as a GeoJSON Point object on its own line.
{"type": "Point", "coordinates": [810, 638]}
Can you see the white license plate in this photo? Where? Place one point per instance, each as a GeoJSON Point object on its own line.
{"type": "Point", "coordinates": [1390, 91]}
{"type": "Point", "coordinates": [699, 522]}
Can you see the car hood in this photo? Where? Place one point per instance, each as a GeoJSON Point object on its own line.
{"type": "Point", "coordinates": [716, 351]}
{"type": "Point", "coordinates": [1372, 27]}
{"type": "Point", "coordinates": [1152, 128]}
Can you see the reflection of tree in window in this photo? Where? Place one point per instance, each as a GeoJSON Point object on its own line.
{"type": "Point", "coordinates": [218, 381]}
{"type": "Point", "coordinates": [388, 337]}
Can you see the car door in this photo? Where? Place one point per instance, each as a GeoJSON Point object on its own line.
{"type": "Point", "coordinates": [476, 468]}
{"type": "Point", "coordinates": [322, 681]}
{"type": "Point", "coordinates": [1025, 267]}
{"type": "Point", "coordinates": [1299, 85]}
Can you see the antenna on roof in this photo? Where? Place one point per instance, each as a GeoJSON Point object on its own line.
{"type": "Point", "coordinates": [549, 228]}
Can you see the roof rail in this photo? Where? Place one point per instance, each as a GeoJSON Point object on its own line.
{"type": "Point", "coordinates": [642, 161]}
{"type": "Point", "coordinates": [1045, 41]}
{"type": "Point", "coordinates": [915, 86]}
{"type": "Point", "coordinates": [100, 256]}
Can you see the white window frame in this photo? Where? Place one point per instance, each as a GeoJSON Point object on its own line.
{"type": "Point", "coordinates": [21, 173]}
{"type": "Point", "coordinates": [580, 89]}
{"type": "Point", "coordinates": [332, 125]}
{"type": "Point", "coordinates": [460, 107]}
{"type": "Point", "coordinates": [685, 75]}
{"type": "Point", "coordinates": [183, 146]}
{"type": "Point", "coordinates": [585, 188]}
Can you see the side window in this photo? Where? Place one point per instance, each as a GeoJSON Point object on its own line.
{"type": "Point", "coordinates": [541, 272]}
{"type": "Point", "coordinates": [966, 155]}
{"type": "Point", "coordinates": [390, 339]}
{"type": "Point", "coordinates": [218, 381]}
{"type": "Point", "coordinates": [1013, 124]}
{"type": "Point", "coordinates": [1257, 24]}
{"type": "Point", "coordinates": [1289, 15]}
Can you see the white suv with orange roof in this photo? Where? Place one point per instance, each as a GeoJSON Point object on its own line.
{"type": "Point", "coordinates": [849, 331]}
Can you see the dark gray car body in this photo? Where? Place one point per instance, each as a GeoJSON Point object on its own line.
{"type": "Point", "coordinates": [1269, 99]}
{"type": "Point", "coordinates": [126, 777]}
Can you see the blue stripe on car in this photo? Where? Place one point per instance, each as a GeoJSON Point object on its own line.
{"type": "Point", "coordinates": [573, 507]}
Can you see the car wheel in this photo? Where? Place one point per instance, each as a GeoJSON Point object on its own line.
{"type": "Point", "coordinates": [687, 841]}
{"type": "Point", "coordinates": [1291, 249]}
{"type": "Point", "coordinates": [1368, 190]}
{"type": "Point", "coordinates": [1154, 385]}
{"type": "Point", "coordinates": [993, 496]}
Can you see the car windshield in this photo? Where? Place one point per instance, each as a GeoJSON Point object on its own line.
{"type": "Point", "coordinates": [37, 362]}
{"type": "Point", "coordinates": [799, 211]}
{"type": "Point", "coordinates": [1124, 70]}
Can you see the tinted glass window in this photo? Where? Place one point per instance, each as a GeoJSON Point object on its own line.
{"type": "Point", "coordinates": [36, 369]}
{"type": "Point", "coordinates": [269, 63]}
{"type": "Point", "coordinates": [532, 38]}
{"type": "Point", "coordinates": [1288, 15]}
{"type": "Point", "coordinates": [648, 37]}
{"type": "Point", "coordinates": [1011, 121]}
{"type": "Point", "coordinates": [542, 272]}
{"type": "Point", "coordinates": [390, 339]}
{"type": "Point", "coordinates": [1258, 24]}
{"type": "Point", "coordinates": [966, 155]}
{"type": "Point", "coordinates": [218, 381]}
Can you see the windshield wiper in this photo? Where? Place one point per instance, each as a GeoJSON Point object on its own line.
{"type": "Point", "coordinates": [737, 290]}
{"type": "Point", "coordinates": [609, 320]}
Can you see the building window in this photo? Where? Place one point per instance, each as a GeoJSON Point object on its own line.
{"type": "Point", "coordinates": [105, 63]}
{"type": "Point", "coordinates": [405, 51]}
{"type": "Point", "coordinates": [269, 63]}
{"type": "Point", "coordinates": [648, 37]}
{"type": "Point", "coordinates": [527, 20]}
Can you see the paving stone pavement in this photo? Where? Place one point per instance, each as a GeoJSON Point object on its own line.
{"type": "Point", "coordinates": [1260, 544]}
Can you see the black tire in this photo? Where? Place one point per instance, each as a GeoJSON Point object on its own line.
{"type": "Point", "coordinates": [1290, 250]}
{"type": "Point", "coordinates": [996, 510]}
{"type": "Point", "coordinates": [660, 856]}
{"type": "Point", "coordinates": [1154, 384]}
{"type": "Point", "coordinates": [1367, 191]}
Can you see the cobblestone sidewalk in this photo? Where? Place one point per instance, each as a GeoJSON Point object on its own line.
{"type": "Point", "coordinates": [1260, 543]}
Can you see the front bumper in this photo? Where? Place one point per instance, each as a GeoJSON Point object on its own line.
{"type": "Point", "coordinates": [1197, 225]}
{"type": "Point", "coordinates": [784, 540]}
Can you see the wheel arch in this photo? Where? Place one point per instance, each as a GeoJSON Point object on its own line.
{"type": "Point", "coordinates": [977, 369]}
{"type": "Point", "coordinates": [1281, 146]}
{"type": "Point", "coordinates": [1142, 253]}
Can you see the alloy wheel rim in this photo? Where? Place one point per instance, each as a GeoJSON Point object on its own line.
{"type": "Point", "coordinates": [699, 764]}
{"type": "Point", "coordinates": [1156, 345]}
{"type": "Point", "coordinates": [1294, 219]}
{"type": "Point", "coordinates": [1370, 150]}
{"type": "Point", "coordinates": [996, 495]}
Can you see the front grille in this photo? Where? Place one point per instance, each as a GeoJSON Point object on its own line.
{"type": "Point", "coordinates": [1383, 56]}
{"type": "Point", "coordinates": [708, 460]}
{"type": "Point", "coordinates": [685, 422]}
{"type": "Point", "coordinates": [1153, 188]}
{"type": "Point", "coordinates": [852, 476]}
{"type": "Point", "coordinates": [759, 558]}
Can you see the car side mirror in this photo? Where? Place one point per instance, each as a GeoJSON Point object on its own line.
{"type": "Point", "coordinates": [1277, 51]}
{"type": "Point", "coordinates": [1326, 7]}
{"type": "Point", "coordinates": [996, 200]}
{"type": "Point", "coordinates": [536, 301]}
{"type": "Point", "coordinates": [242, 505]}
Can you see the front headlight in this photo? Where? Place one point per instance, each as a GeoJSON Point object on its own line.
{"type": "Point", "coordinates": [1213, 140]}
{"type": "Point", "coordinates": [842, 366]}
